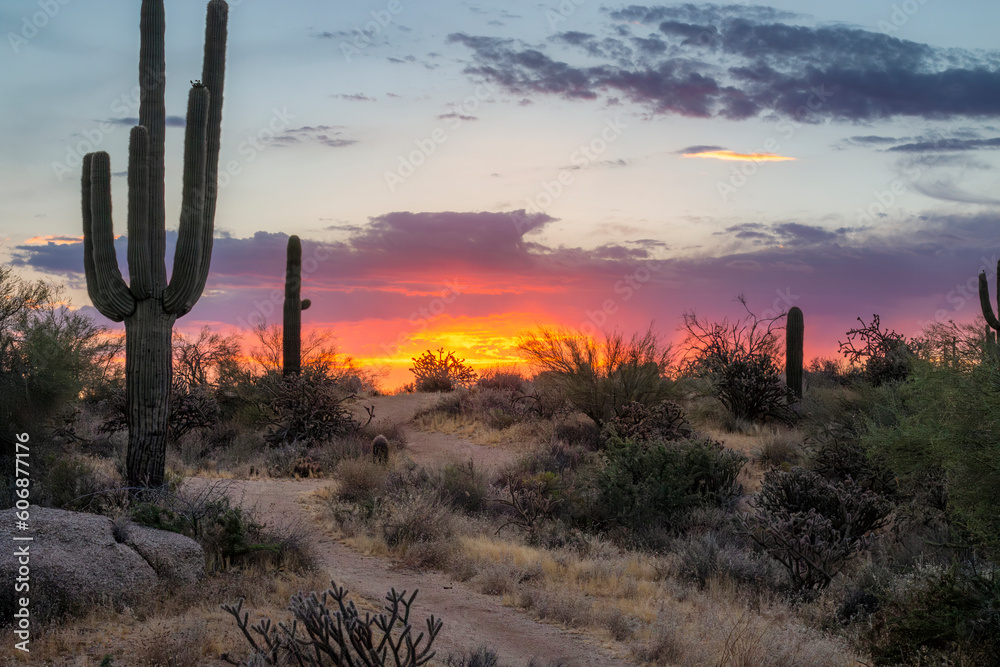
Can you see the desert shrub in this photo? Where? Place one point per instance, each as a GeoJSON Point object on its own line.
{"type": "Point", "coordinates": [740, 361]}
{"type": "Point", "coordinates": [586, 435]}
{"type": "Point", "coordinates": [645, 423]}
{"type": "Point", "coordinates": [503, 379]}
{"type": "Point", "coordinates": [949, 617]}
{"type": "Point", "coordinates": [780, 447]}
{"type": "Point", "coordinates": [416, 517]}
{"type": "Point", "coordinates": [337, 635]}
{"type": "Point", "coordinates": [309, 407]}
{"type": "Point", "coordinates": [360, 479]}
{"type": "Point", "coordinates": [74, 483]}
{"type": "Point", "coordinates": [599, 378]}
{"type": "Point", "coordinates": [443, 372]}
{"type": "Point", "coordinates": [496, 408]}
{"type": "Point", "coordinates": [943, 425]}
{"type": "Point", "coordinates": [714, 553]}
{"type": "Point", "coordinates": [531, 501]}
{"type": "Point", "coordinates": [230, 535]}
{"type": "Point", "coordinates": [463, 486]}
{"type": "Point", "coordinates": [813, 525]}
{"type": "Point", "coordinates": [885, 356]}
{"type": "Point", "coordinates": [482, 656]}
{"type": "Point", "coordinates": [647, 486]}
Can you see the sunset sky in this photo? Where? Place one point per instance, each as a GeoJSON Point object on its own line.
{"type": "Point", "coordinates": [463, 171]}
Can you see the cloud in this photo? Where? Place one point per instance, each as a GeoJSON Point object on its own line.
{"type": "Point", "coordinates": [946, 189]}
{"type": "Point", "coordinates": [739, 62]}
{"type": "Point", "coordinates": [385, 278]}
{"type": "Point", "coordinates": [740, 157]}
{"type": "Point", "coordinates": [454, 114]}
{"type": "Point", "coordinates": [354, 97]}
{"type": "Point", "coordinates": [947, 145]}
{"type": "Point", "coordinates": [325, 135]}
{"type": "Point", "coordinates": [171, 121]}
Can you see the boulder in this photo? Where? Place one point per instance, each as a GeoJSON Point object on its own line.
{"type": "Point", "coordinates": [174, 557]}
{"type": "Point", "coordinates": [75, 561]}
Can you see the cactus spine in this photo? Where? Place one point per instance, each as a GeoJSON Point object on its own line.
{"type": "Point", "coordinates": [149, 304]}
{"type": "Point", "coordinates": [291, 332]}
{"type": "Point", "coordinates": [794, 334]}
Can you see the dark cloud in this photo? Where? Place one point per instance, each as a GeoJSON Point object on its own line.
{"type": "Point", "coordinates": [171, 121]}
{"type": "Point", "coordinates": [459, 116]}
{"type": "Point", "coordinates": [325, 135]}
{"type": "Point", "coordinates": [354, 97]}
{"type": "Point", "coordinates": [396, 264]}
{"type": "Point", "coordinates": [947, 145]}
{"type": "Point", "coordinates": [741, 62]}
{"type": "Point", "coordinates": [946, 189]}
{"type": "Point", "coordinates": [700, 149]}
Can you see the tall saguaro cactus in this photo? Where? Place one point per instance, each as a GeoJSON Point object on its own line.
{"type": "Point", "coordinates": [291, 332]}
{"type": "Point", "coordinates": [794, 334]}
{"type": "Point", "coordinates": [992, 323]}
{"type": "Point", "coordinates": [149, 304]}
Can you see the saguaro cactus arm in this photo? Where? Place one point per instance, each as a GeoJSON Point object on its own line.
{"type": "Point", "coordinates": [140, 262]}
{"type": "Point", "coordinates": [185, 286]}
{"type": "Point", "coordinates": [213, 76]}
{"type": "Point", "coordinates": [105, 284]}
{"type": "Point", "coordinates": [152, 116]}
{"type": "Point", "coordinates": [984, 299]}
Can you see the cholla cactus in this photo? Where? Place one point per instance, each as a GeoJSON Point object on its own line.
{"type": "Point", "coordinates": [291, 333]}
{"type": "Point", "coordinates": [149, 304]}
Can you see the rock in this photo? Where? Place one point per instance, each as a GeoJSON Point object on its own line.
{"type": "Point", "coordinates": [176, 558]}
{"type": "Point", "coordinates": [75, 562]}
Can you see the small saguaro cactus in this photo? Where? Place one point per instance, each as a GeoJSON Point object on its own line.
{"type": "Point", "coordinates": [149, 304]}
{"type": "Point", "coordinates": [992, 323]}
{"type": "Point", "coordinates": [291, 333]}
{"type": "Point", "coordinates": [794, 333]}
{"type": "Point", "coordinates": [380, 450]}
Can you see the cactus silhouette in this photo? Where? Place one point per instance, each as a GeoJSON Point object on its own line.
{"type": "Point", "coordinates": [992, 323]}
{"type": "Point", "coordinates": [291, 332]}
{"type": "Point", "coordinates": [149, 304]}
{"type": "Point", "coordinates": [794, 333]}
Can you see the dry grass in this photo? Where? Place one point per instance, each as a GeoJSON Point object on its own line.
{"type": "Point", "coordinates": [178, 628]}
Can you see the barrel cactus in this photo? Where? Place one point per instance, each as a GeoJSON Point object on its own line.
{"type": "Point", "coordinates": [794, 332]}
{"type": "Point", "coordinates": [291, 334]}
{"type": "Point", "coordinates": [150, 304]}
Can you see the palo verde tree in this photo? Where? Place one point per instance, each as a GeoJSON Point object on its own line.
{"type": "Point", "coordinates": [291, 332]}
{"type": "Point", "coordinates": [149, 304]}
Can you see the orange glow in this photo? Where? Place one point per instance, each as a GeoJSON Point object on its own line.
{"type": "Point", "coordinates": [741, 157]}
{"type": "Point", "coordinates": [56, 240]}
{"type": "Point", "coordinates": [392, 344]}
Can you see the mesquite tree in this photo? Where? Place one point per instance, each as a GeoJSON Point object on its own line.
{"type": "Point", "coordinates": [291, 333]}
{"type": "Point", "coordinates": [149, 304]}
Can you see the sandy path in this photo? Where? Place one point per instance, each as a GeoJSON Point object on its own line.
{"type": "Point", "coordinates": [470, 618]}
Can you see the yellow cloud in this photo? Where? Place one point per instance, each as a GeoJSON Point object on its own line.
{"type": "Point", "coordinates": [742, 157]}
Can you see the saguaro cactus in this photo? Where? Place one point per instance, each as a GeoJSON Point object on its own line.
{"type": "Point", "coordinates": [148, 304]}
{"type": "Point", "coordinates": [992, 323]}
{"type": "Point", "coordinates": [291, 333]}
{"type": "Point", "coordinates": [794, 333]}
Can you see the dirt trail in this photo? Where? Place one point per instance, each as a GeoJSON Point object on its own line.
{"type": "Point", "coordinates": [470, 618]}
